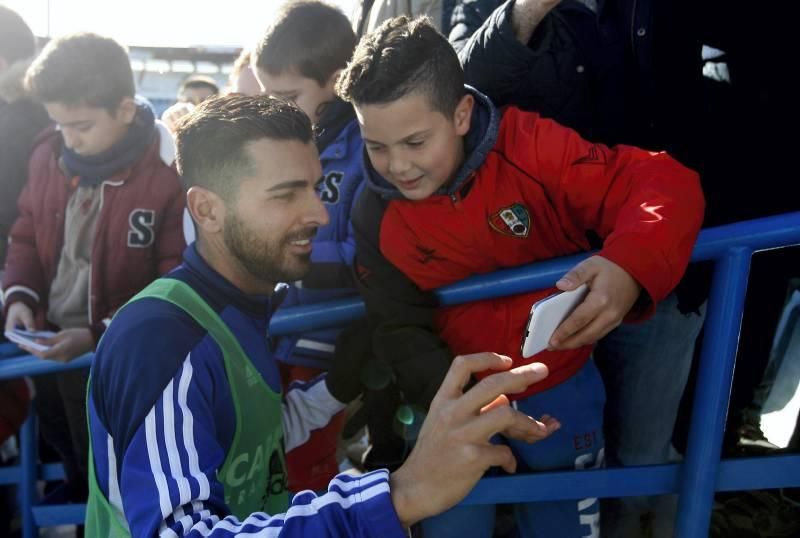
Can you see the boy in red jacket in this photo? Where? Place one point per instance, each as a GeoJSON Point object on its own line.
{"type": "Point", "coordinates": [99, 218]}
{"type": "Point", "coordinates": [458, 188]}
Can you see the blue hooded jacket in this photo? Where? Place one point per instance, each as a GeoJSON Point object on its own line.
{"type": "Point", "coordinates": [331, 276]}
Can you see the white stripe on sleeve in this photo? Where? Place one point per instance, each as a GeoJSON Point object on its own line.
{"type": "Point", "coordinates": [307, 407]}
{"type": "Point", "coordinates": [188, 430]}
{"type": "Point", "coordinates": [155, 464]}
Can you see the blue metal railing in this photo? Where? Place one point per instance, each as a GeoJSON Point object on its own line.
{"type": "Point", "coordinates": [695, 480]}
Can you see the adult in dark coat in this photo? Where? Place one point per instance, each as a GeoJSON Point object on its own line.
{"type": "Point", "coordinates": [618, 72]}
{"type": "Point", "coordinates": [20, 118]}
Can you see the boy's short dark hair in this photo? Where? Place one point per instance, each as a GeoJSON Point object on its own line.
{"type": "Point", "coordinates": [400, 57]}
{"type": "Point", "coordinates": [196, 82]}
{"type": "Point", "coordinates": [211, 140]}
{"type": "Point", "coordinates": [16, 39]}
{"type": "Point", "coordinates": [82, 69]}
{"type": "Point", "coordinates": [311, 37]}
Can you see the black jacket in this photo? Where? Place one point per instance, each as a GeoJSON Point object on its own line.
{"type": "Point", "coordinates": [629, 73]}
{"type": "Point", "coordinates": [20, 121]}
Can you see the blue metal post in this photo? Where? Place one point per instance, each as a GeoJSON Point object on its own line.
{"type": "Point", "coordinates": [711, 400]}
{"type": "Point", "coordinates": [27, 486]}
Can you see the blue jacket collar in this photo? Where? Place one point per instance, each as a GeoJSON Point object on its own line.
{"type": "Point", "coordinates": [478, 142]}
{"type": "Point", "coordinates": [219, 292]}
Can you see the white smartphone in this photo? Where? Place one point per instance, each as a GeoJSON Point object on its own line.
{"type": "Point", "coordinates": [545, 317]}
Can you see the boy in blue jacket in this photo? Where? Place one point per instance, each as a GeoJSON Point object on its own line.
{"type": "Point", "coordinates": [292, 67]}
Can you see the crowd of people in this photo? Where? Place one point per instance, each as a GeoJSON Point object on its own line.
{"type": "Point", "coordinates": [384, 157]}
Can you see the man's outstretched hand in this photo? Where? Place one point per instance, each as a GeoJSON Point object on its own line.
{"type": "Point", "coordinates": [453, 449]}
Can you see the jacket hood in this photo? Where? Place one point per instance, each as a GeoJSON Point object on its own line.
{"type": "Point", "coordinates": [478, 142]}
{"type": "Point", "coordinates": [11, 87]}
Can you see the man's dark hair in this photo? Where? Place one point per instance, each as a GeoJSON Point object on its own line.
{"type": "Point", "coordinates": [211, 141]}
{"type": "Point", "coordinates": [16, 39]}
{"type": "Point", "coordinates": [400, 57]}
{"type": "Point", "coordinates": [312, 38]}
{"type": "Point", "coordinates": [81, 69]}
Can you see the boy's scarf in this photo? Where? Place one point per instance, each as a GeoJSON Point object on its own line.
{"type": "Point", "coordinates": [94, 169]}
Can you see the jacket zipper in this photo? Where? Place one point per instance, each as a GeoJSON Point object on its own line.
{"type": "Point", "coordinates": [633, 28]}
{"type": "Point", "coordinates": [94, 245]}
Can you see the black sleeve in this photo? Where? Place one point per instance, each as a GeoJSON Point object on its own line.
{"type": "Point", "coordinates": [466, 18]}
{"type": "Point", "coordinates": [540, 75]}
{"type": "Point", "coordinates": [400, 315]}
{"type": "Point", "coordinates": [20, 122]}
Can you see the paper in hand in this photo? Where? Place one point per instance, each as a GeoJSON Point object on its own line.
{"type": "Point", "coordinates": [28, 339]}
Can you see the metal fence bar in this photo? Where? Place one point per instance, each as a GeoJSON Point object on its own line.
{"type": "Point", "coordinates": [758, 234]}
{"type": "Point", "coordinates": [29, 365]}
{"type": "Point", "coordinates": [696, 479]}
{"type": "Point", "coordinates": [27, 486]}
{"type": "Point", "coordinates": [715, 375]}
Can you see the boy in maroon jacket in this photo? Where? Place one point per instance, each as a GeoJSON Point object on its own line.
{"type": "Point", "coordinates": [99, 218]}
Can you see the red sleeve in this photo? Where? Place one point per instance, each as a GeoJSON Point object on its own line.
{"type": "Point", "coordinates": [646, 205]}
{"type": "Point", "coordinates": [24, 278]}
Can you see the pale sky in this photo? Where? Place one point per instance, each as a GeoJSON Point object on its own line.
{"type": "Point", "coordinates": [173, 23]}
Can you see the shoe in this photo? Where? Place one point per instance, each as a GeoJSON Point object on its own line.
{"type": "Point", "coordinates": [756, 514]}
{"type": "Point", "coordinates": [752, 440]}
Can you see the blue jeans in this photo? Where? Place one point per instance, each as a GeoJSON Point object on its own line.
{"type": "Point", "coordinates": [645, 367]}
{"type": "Point", "coordinates": [578, 405]}
{"type": "Point", "coordinates": [781, 350]}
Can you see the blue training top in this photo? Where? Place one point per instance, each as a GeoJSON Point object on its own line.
{"type": "Point", "coordinates": [162, 420]}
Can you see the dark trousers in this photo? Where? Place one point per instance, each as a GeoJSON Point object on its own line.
{"type": "Point", "coordinates": [61, 407]}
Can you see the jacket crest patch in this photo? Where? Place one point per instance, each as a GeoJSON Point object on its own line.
{"type": "Point", "coordinates": [514, 220]}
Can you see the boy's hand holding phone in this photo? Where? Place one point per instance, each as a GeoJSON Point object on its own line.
{"type": "Point", "coordinates": [612, 294]}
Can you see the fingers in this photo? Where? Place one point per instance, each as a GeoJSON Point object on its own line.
{"type": "Point", "coordinates": [498, 456]}
{"type": "Point", "coordinates": [17, 316]}
{"type": "Point", "coordinates": [603, 324]}
{"type": "Point", "coordinates": [582, 316]}
{"type": "Point", "coordinates": [461, 371]}
{"type": "Point", "coordinates": [27, 320]}
{"type": "Point", "coordinates": [503, 419]}
{"type": "Point", "coordinates": [583, 272]}
{"type": "Point", "coordinates": [30, 350]}
{"type": "Point", "coordinates": [510, 382]}
{"type": "Point", "coordinates": [544, 430]}
{"type": "Point", "coordinates": [57, 351]}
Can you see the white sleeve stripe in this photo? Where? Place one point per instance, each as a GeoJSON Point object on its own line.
{"type": "Point", "coordinates": [114, 496]}
{"type": "Point", "coordinates": [315, 345]}
{"type": "Point", "coordinates": [166, 532]}
{"type": "Point", "coordinates": [155, 464]}
{"type": "Point", "coordinates": [24, 289]}
{"type": "Point", "coordinates": [307, 410]}
{"type": "Point", "coordinates": [364, 480]}
{"type": "Point", "coordinates": [187, 521]}
{"type": "Point", "coordinates": [188, 430]}
{"type": "Point", "coordinates": [173, 455]}
{"type": "Point", "coordinates": [274, 525]}
{"type": "Point", "coordinates": [333, 497]}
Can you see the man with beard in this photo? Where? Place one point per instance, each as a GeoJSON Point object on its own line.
{"type": "Point", "coordinates": [188, 424]}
